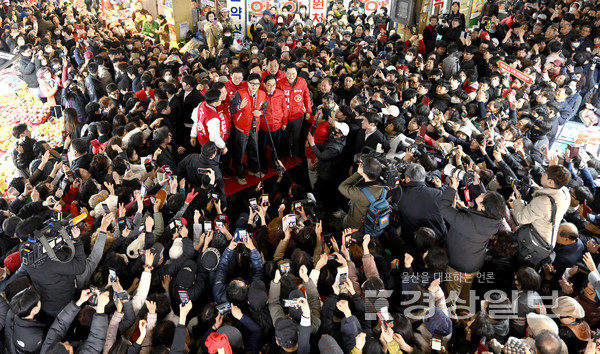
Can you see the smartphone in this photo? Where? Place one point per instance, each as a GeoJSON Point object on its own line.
{"type": "Point", "coordinates": [178, 224]}
{"type": "Point", "coordinates": [123, 296]}
{"type": "Point", "coordinates": [224, 308]}
{"type": "Point", "coordinates": [218, 225]}
{"type": "Point", "coordinates": [70, 174]}
{"type": "Point", "coordinates": [242, 235]}
{"type": "Point", "coordinates": [264, 200]}
{"type": "Point", "coordinates": [149, 166]}
{"type": "Point", "coordinates": [573, 151]}
{"type": "Point", "coordinates": [292, 221]}
{"type": "Point", "coordinates": [143, 191]}
{"type": "Point", "coordinates": [105, 208]}
{"type": "Point", "coordinates": [284, 268]}
{"type": "Point", "coordinates": [183, 296]}
{"type": "Point", "coordinates": [436, 343]}
{"type": "Point", "coordinates": [93, 300]}
{"type": "Point", "coordinates": [12, 191]}
{"type": "Point", "coordinates": [290, 303]}
{"type": "Point", "coordinates": [207, 226]}
{"type": "Point", "coordinates": [222, 217]}
{"type": "Point", "coordinates": [203, 171]}
{"type": "Point", "coordinates": [586, 209]}
{"type": "Point", "coordinates": [253, 204]}
{"type": "Point", "coordinates": [215, 196]}
{"type": "Point", "coordinates": [297, 207]}
{"type": "Point", "coordinates": [342, 275]}
{"type": "Point", "coordinates": [423, 129]}
{"type": "Point", "coordinates": [65, 159]}
{"type": "Point", "coordinates": [112, 275]}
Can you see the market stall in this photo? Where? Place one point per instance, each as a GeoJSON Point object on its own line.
{"type": "Point", "coordinates": [19, 105]}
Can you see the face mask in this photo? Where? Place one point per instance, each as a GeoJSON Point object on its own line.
{"type": "Point", "coordinates": [57, 33]}
{"type": "Point", "coordinates": [48, 76]}
{"type": "Point", "coordinates": [343, 47]}
{"type": "Point", "coordinates": [280, 20]}
{"type": "Point", "coordinates": [289, 42]}
{"type": "Point", "coordinates": [168, 78]}
{"type": "Point", "coordinates": [572, 10]}
{"type": "Point", "coordinates": [329, 18]}
{"type": "Point", "coordinates": [575, 44]}
{"type": "Point", "coordinates": [371, 23]}
{"type": "Point", "coordinates": [129, 47]}
{"type": "Point", "coordinates": [454, 100]}
{"type": "Point", "coordinates": [408, 58]}
{"type": "Point", "coordinates": [285, 14]}
{"type": "Point", "coordinates": [254, 51]}
{"type": "Point", "coordinates": [495, 83]}
{"type": "Point", "coordinates": [48, 50]}
{"type": "Point", "coordinates": [302, 11]}
{"type": "Point", "coordinates": [492, 30]}
{"type": "Point", "coordinates": [21, 42]}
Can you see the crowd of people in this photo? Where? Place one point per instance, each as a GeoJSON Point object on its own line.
{"type": "Point", "coordinates": [424, 207]}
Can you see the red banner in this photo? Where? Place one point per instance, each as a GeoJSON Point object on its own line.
{"type": "Point", "coordinates": [516, 73]}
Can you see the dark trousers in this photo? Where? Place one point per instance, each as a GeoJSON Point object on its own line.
{"type": "Point", "coordinates": [293, 132]}
{"type": "Point", "coordinates": [245, 145]}
{"type": "Point", "coordinates": [326, 193]}
{"type": "Point", "coordinates": [263, 141]}
{"type": "Point", "coordinates": [230, 143]}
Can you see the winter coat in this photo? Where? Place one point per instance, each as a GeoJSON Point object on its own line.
{"type": "Point", "coordinates": [29, 70]}
{"type": "Point", "coordinates": [55, 281]}
{"type": "Point", "coordinates": [468, 234]}
{"type": "Point", "coordinates": [351, 189]}
{"type": "Point", "coordinates": [538, 211]}
{"type": "Point", "coordinates": [330, 157]}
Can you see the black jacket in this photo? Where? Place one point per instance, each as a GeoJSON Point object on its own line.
{"type": "Point", "coordinates": [188, 168]}
{"type": "Point", "coordinates": [82, 162]}
{"type": "Point", "coordinates": [55, 281]}
{"type": "Point", "coordinates": [418, 204]}
{"type": "Point", "coordinates": [330, 157]}
{"type": "Point", "coordinates": [93, 88]}
{"type": "Point", "coordinates": [21, 160]}
{"type": "Point", "coordinates": [22, 336]}
{"type": "Point", "coordinates": [188, 103]}
{"type": "Point", "coordinates": [468, 235]}
{"type": "Point", "coordinates": [29, 70]}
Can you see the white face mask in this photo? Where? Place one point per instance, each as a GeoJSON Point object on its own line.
{"type": "Point", "coordinates": [129, 47]}
{"type": "Point", "coordinates": [254, 51]}
{"type": "Point", "coordinates": [575, 44]}
{"type": "Point", "coordinates": [21, 42]}
{"type": "Point", "coordinates": [168, 78]}
{"type": "Point", "coordinates": [408, 58]}
{"type": "Point", "coordinates": [285, 14]}
{"type": "Point", "coordinates": [495, 83]}
{"type": "Point", "coordinates": [280, 20]}
{"type": "Point", "coordinates": [572, 10]}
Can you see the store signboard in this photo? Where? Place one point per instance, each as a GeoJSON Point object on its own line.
{"type": "Point", "coordinates": [237, 13]}
{"type": "Point", "coordinates": [317, 11]}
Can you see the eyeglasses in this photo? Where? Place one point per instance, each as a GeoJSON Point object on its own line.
{"type": "Point", "coordinates": [254, 83]}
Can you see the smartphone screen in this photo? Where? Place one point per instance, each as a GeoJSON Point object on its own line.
{"type": "Point", "coordinates": [242, 235]}
{"type": "Point", "coordinates": [292, 221]}
{"type": "Point", "coordinates": [64, 159]}
{"type": "Point", "coordinates": [112, 275]}
{"type": "Point", "coordinates": [129, 223]}
{"type": "Point", "coordinates": [423, 129]}
{"type": "Point", "coordinates": [224, 308]}
{"type": "Point", "coordinates": [183, 296]}
{"type": "Point", "coordinates": [218, 225]}
{"type": "Point", "coordinates": [144, 191]}
{"type": "Point", "coordinates": [253, 203]}
{"type": "Point", "coordinates": [105, 208]}
{"type": "Point", "coordinates": [297, 206]}
{"type": "Point", "coordinates": [284, 268]}
{"type": "Point", "coordinates": [207, 226]}
{"type": "Point", "coordinates": [436, 343]}
{"type": "Point", "coordinates": [290, 303]}
{"type": "Point", "coordinates": [264, 199]}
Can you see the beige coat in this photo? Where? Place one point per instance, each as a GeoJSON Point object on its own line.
{"type": "Point", "coordinates": [214, 32]}
{"type": "Point", "coordinates": [538, 212]}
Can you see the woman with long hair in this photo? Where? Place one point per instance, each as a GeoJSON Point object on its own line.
{"type": "Point", "coordinates": [49, 85]}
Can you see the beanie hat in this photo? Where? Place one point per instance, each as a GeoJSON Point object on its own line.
{"type": "Point", "coordinates": [328, 345]}
{"type": "Point", "coordinates": [176, 249]}
{"type": "Point", "coordinates": [257, 295]}
{"type": "Point", "coordinates": [210, 259]}
{"type": "Point", "coordinates": [568, 307]}
{"type": "Point", "coordinates": [234, 336]}
{"type": "Point", "coordinates": [12, 262]}
{"type": "Point", "coordinates": [286, 332]}
{"type": "Point", "coordinates": [437, 322]}
{"type": "Point", "coordinates": [538, 323]}
{"type": "Point", "coordinates": [217, 341]}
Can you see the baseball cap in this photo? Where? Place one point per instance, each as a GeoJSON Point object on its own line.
{"type": "Point", "coordinates": [342, 127]}
{"type": "Point", "coordinates": [391, 111]}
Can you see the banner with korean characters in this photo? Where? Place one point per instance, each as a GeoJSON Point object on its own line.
{"type": "Point", "coordinates": [237, 13]}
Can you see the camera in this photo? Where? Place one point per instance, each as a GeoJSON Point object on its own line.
{"type": "Point", "coordinates": [461, 175]}
{"type": "Point", "coordinates": [523, 186]}
{"type": "Point", "coordinates": [53, 241]}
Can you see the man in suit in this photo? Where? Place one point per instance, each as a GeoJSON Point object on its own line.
{"type": "Point", "coordinates": [369, 135]}
{"type": "Point", "coordinates": [189, 98]}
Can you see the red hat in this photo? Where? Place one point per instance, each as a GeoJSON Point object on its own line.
{"type": "Point", "coordinates": [216, 341]}
{"type": "Point", "coordinates": [184, 222]}
{"type": "Point", "coordinates": [557, 62]}
{"type": "Point", "coordinates": [12, 262]}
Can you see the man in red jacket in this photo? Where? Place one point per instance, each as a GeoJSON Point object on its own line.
{"type": "Point", "coordinates": [275, 121]}
{"type": "Point", "coordinates": [247, 108]}
{"type": "Point", "coordinates": [207, 122]}
{"type": "Point", "coordinates": [299, 105]}
{"type": "Point", "coordinates": [235, 84]}
{"type": "Point", "coordinates": [272, 69]}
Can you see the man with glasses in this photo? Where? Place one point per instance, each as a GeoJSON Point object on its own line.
{"type": "Point", "coordinates": [275, 117]}
{"type": "Point", "coordinates": [247, 108]}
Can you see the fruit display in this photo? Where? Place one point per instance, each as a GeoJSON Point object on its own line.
{"type": "Point", "coordinates": [51, 132]}
{"type": "Point", "coordinates": [19, 105]}
{"type": "Point", "coordinates": [6, 138]}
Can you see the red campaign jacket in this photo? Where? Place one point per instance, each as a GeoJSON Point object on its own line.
{"type": "Point", "coordinates": [242, 117]}
{"type": "Point", "coordinates": [206, 112]}
{"type": "Point", "coordinates": [297, 97]}
{"type": "Point", "coordinates": [276, 114]}
{"type": "Point", "coordinates": [232, 89]}
{"type": "Point", "coordinates": [280, 75]}
{"type": "Point", "coordinates": [225, 118]}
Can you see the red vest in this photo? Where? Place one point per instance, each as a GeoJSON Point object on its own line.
{"type": "Point", "coordinates": [206, 112]}
{"type": "Point", "coordinates": [225, 119]}
{"type": "Point", "coordinates": [232, 89]}
{"type": "Point", "coordinates": [243, 120]}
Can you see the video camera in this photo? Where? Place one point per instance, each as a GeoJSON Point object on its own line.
{"type": "Point", "coordinates": [389, 169]}
{"type": "Point", "coordinates": [54, 241]}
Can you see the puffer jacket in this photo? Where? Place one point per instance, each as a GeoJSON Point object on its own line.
{"type": "Point", "coordinates": [538, 211]}
{"type": "Point", "coordinates": [95, 340]}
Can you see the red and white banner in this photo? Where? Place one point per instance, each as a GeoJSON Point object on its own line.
{"type": "Point", "coordinates": [516, 73]}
